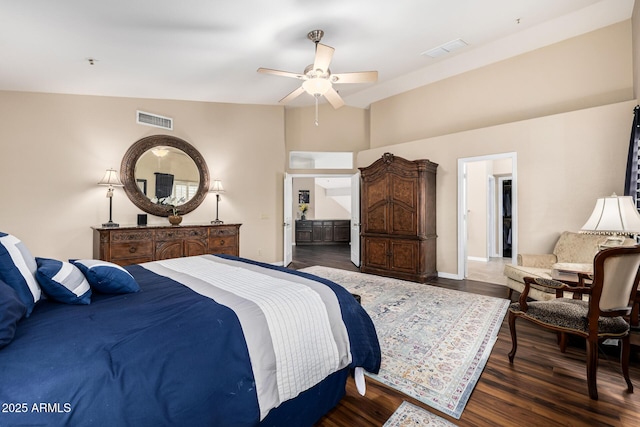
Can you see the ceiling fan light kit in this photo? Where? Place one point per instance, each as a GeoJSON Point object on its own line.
{"type": "Point", "coordinates": [317, 79]}
{"type": "Point", "coordinates": [316, 86]}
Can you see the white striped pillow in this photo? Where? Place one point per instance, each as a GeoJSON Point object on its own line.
{"type": "Point", "coordinates": [18, 269]}
{"type": "Point", "coordinates": [106, 277]}
{"type": "Point", "coordinates": [63, 281]}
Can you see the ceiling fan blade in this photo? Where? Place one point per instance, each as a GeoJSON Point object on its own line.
{"type": "Point", "coordinates": [299, 91]}
{"type": "Point", "coordinates": [357, 77]}
{"type": "Point", "coordinates": [280, 73]}
{"type": "Point", "coordinates": [334, 99]}
{"type": "Point", "coordinates": [324, 54]}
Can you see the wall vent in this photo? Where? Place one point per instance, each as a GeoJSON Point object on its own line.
{"type": "Point", "coordinates": [154, 120]}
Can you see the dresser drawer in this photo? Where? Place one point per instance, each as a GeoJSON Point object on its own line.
{"type": "Point", "coordinates": [225, 250]}
{"type": "Point", "coordinates": [118, 236]}
{"type": "Point", "coordinates": [181, 233]}
{"type": "Point", "coordinates": [222, 232]}
{"type": "Point", "coordinates": [218, 245]}
{"type": "Point", "coordinates": [128, 250]}
{"type": "Point", "coordinates": [224, 240]}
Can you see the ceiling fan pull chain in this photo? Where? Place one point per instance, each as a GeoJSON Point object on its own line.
{"type": "Point", "coordinates": [316, 96]}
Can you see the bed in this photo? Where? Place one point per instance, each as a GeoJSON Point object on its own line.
{"type": "Point", "coordinates": [204, 341]}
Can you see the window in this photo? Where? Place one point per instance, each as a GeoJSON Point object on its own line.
{"type": "Point", "coordinates": [320, 160]}
{"type": "Point", "coordinates": [185, 189]}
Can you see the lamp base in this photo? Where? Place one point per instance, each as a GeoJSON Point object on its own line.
{"type": "Point", "coordinates": [217, 221]}
{"type": "Point", "coordinates": [110, 224]}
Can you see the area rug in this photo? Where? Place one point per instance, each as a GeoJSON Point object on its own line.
{"type": "Point", "coordinates": [410, 415]}
{"type": "Point", "coordinates": [435, 342]}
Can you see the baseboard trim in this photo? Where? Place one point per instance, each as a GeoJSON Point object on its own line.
{"type": "Point", "coordinates": [449, 276]}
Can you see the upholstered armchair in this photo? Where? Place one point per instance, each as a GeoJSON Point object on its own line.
{"type": "Point", "coordinates": [572, 251]}
{"type": "Point", "coordinates": [611, 292]}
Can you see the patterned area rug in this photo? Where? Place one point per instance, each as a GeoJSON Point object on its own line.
{"type": "Point", "coordinates": [435, 342]}
{"type": "Point", "coordinates": [410, 415]}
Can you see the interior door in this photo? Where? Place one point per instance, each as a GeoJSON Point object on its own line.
{"type": "Point", "coordinates": [355, 219]}
{"type": "Point", "coordinates": [287, 219]}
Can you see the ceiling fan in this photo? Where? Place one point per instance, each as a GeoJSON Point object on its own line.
{"type": "Point", "coordinates": [317, 79]}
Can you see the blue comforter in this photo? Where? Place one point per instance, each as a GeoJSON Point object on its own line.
{"type": "Point", "coordinates": [163, 356]}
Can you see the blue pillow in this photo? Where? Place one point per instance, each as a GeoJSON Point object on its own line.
{"type": "Point", "coordinates": [11, 311]}
{"type": "Point", "coordinates": [18, 270]}
{"type": "Point", "coordinates": [107, 277]}
{"type": "Point", "coordinates": [63, 281]}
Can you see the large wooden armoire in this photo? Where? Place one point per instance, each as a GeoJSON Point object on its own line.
{"type": "Point", "coordinates": [398, 218]}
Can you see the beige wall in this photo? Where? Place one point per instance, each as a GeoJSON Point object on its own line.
{"type": "Point", "coordinates": [55, 148]}
{"type": "Point", "coordinates": [344, 129]}
{"type": "Point", "coordinates": [564, 162]}
{"type": "Point", "coordinates": [586, 71]}
{"type": "Point", "coordinates": [338, 130]}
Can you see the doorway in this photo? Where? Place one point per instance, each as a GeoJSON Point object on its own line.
{"type": "Point", "coordinates": [325, 197]}
{"type": "Point", "coordinates": [487, 211]}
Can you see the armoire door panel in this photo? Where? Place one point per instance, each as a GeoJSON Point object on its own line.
{"type": "Point", "coordinates": [377, 219]}
{"type": "Point", "coordinates": [377, 252]}
{"type": "Point", "coordinates": [377, 191]}
{"type": "Point", "coordinates": [403, 220]}
{"type": "Point", "coordinates": [404, 256]}
{"type": "Point", "coordinates": [404, 191]}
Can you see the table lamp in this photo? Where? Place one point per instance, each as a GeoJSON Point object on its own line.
{"type": "Point", "coordinates": [616, 216]}
{"type": "Point", "coordinates": [111, 180]}
{"type": "Point", "coordinates": [216, 188]}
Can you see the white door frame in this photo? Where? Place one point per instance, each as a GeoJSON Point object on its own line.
{"type": "Point", "coordinates": [462, 207]}
{"type": "Point", "coordinates": [287, 221]}
{"type": "Point", "coordinates": [287, 245]}
{"type": "Point", "coordinates": [492, 242]}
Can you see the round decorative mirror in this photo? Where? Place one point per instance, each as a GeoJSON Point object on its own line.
{"type": "Point", "coordinates": [160, 172]}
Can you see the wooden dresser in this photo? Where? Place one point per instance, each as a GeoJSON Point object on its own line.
{"type": "Point", "coordinates": [322, 231]}
{"type": "Point", "coordinates": [134, 245]}
{"type": "Point", "coordinates": [398, 218]}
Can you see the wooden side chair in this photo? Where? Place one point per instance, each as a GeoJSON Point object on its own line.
{"type": "Point", "coordinates": [612, 293]}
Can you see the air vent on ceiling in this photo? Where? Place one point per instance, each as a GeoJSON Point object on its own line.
{"type": "Point", "coordinates": [154, 120]}
{"type": "Point", "coordinates": [445, 48]}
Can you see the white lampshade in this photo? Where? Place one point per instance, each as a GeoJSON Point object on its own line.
{"type": "Point", "coordinates": [111, 179]}
{"type": "Point", "coordinates": [614, 215]}
{"type": "Point", "coordinates": [316, 86]}
{"type": "Point", "coordinates": [216, 187]}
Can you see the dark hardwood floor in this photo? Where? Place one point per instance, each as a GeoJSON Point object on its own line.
{"type": "Point", "coordinates": [543, 387]}
{"type": "Point", "coordinates": [336, 256]}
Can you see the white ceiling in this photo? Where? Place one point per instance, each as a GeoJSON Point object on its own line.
{"type": "Point", "coordinates": [208, 50]}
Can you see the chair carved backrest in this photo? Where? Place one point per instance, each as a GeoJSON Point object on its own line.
{"type": "Point", "coordinates": [615, 280]}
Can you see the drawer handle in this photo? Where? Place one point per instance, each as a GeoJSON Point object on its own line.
{"type": "Point", "coordinates": [133, 249]}
{"type": "Point", "coordinates": [221, 242]}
